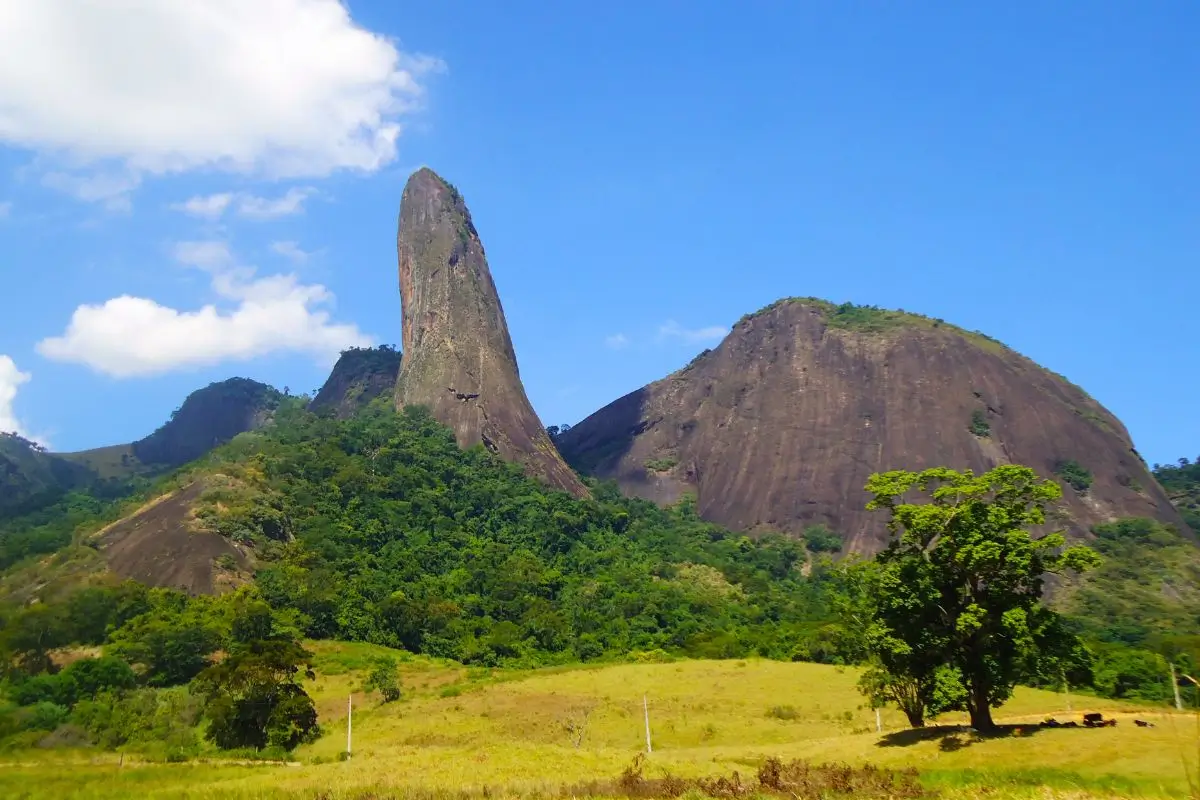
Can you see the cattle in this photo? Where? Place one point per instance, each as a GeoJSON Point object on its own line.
{"type": "Point", "coordinates": [1098, 721]}
{"type": "Point", "coordinates": [1141, 723]}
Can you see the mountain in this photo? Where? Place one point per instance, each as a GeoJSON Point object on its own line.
{"type": "Point", "coordinates": [780, 426]}
{"type": "Point", "coordinates": [208, 417]}
{"type": "Point", "coordinates": [30, 477]}
{"type": "Point", "coordinates": [458, 356]}
{"type": "Point", "coordinates": [360, 376]}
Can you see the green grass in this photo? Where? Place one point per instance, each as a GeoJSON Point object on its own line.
{"type": "Point", "coordinates": [503, 732]}
{"type": "Point", "coordinates": [116, 461]}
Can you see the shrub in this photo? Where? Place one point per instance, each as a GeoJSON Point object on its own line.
{"type": "Point", "coordinates": [785, 713]}
{"type": "Point", "coordinates": [385, 679]}
{"type": "Point", "coordinates": [979, 424]}
{"type": "Point", "coordinates": [1074, 475]}
{"type": "Point", "coordinates": [822, 539]}
{"type": "Point", "coordinates": [43, 716]}
{"type": "Point", "coordinates": [660, 464]}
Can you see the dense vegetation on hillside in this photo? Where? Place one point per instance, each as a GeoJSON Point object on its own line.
{"type": "Point", "coordinates": [381, 529]}
{"type": "Point", "coordinates": [207, 418]}
{"type": "Point", "coordinates": [1182, 483]}
{"type": "Point", "coordinates": [31, 478]}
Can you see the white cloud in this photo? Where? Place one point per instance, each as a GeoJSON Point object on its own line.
{"type": "Point", "coordinates": [245, 205]}
{"type": "Point", "coordinates": [253, 207]}
{"type": "Point", "coordinates": [112, 190]}
{"type": "Point", "coordinates": [205, 206]}
{"type": "Point", "coordinates": [11, 380]}
{"type": "Point", "coordinates": [206, 255]}
{"type": "Point", "coordinates": [291, 251]}
{"type": "Point", "coordinates": [133, 336]}
{"type": "Point", "coordinates": [281, 88]}
{"type": "Point", "coordinates": [673, 330]}
{"type": "Point", "coordinates": [616, 341]}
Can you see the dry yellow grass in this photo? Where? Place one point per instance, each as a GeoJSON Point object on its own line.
{"type": "Point", "coordinates": [460, 730]}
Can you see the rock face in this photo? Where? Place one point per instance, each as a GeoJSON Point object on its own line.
{"type": "Point", "coordinates": [780, 426]}
{"type": "Point", "coordinates": [209, 417]}
{"type": "Point", "coordinates": [360, 376]}
{"type": "Point", "coordinates": [458, 357]}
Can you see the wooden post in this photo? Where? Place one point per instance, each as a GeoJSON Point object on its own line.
{"type": "Point", "coordinates": [1066, 687]}
{"type": "Point", "coordinates": [349, 715]}
{"type": "Point", "coordinates": [646, 712]}
{"type": "Point", "coordinates": [878, 722]}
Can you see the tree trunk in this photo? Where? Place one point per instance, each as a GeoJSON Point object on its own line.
{"type": "Point", "coordinates": [916, 717]}
{"type": "Point", "coordinates": [980, 710]}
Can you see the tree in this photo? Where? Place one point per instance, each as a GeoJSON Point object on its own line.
{"type": "Point", "coordinates": [822, 539]}
{"type": "Point", "coordinates": [33, 632]}
{"type": "Point", "coordinates": [385, 679]}
{"type": "Point", "coordinates": [254, 697]}
{"type": "Point", "coordinates": [171, 646]}
{"type": "Point", "coordinates": [960, 584]}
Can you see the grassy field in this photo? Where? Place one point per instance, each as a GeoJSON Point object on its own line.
{"type": "Point", "coordinates": [480, 733]}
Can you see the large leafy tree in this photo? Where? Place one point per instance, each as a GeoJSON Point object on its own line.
{"type": "Point", "coordinates": [253, 698]}
{"type": "Point", "coordinates": [957, 615]}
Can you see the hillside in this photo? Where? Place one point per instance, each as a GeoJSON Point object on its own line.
{"type": "Point", "coordinates": [381, 528]}
{"type": "Point", "coordinates": [779, 427]}
{"type": "Point", "coordinates": [208, 417]}
{"type": "Point", "coordinates": [1181, 482]}
{"type": "Point", "coordinates": [458, 356]}
{"type": "Point", "coordinates": [359, 376]}
{"type": "Point", "coordinates": [458, 731]}
{"type": "Point", "coordinates": [31, 478]}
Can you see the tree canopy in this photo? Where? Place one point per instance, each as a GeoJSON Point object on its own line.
{"type": "Point", "coordinates": [956, 617]}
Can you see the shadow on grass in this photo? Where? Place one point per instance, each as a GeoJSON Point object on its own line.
{"type": "Point", "coordinates": [953, 737]}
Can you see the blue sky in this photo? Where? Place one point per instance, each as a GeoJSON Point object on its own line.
{"type": "Point", "coordinates": [190, 196]}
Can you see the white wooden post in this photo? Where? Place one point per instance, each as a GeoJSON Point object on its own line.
{"type": "Point", "coordinates": [646, 712]}
{"type": "Point", "coordinates": [878, 722]}
{"type": "Point", "coordinates": [349, 715]}
{"type": "Point", "coordinates": [1175, 687]}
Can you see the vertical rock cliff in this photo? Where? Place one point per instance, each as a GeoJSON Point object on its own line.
{"type": "Point", "coordinates": [458, 357]}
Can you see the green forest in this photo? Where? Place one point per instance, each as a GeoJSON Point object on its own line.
{"type": "Point", "coordinates": [380, 529]}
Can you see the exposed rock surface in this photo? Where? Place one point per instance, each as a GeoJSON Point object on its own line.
{"type": "Point", "coordinates": [209, 417]}
{"type": "Point", "coordinates": [458, 357]}
{"type": "Point", "coordinates": [360, 376]}
{"type": "Point", "coordinates": [160, 545]}
{"type": "Point", "coordinates": [780, 426]}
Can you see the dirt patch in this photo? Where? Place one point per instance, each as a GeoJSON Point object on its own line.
{"type": "Point", "coordinates": [159, 545]}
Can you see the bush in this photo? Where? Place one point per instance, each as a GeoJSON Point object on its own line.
{"type": "Point", "coordinates": [785, 713]}
{"type": "Point", "coordinates": [43, 716]}
{"type": "Point", "coordinates": [979, 424]}
{"type": "Point", "coordinates": [1074, 475]}
{"type": "Point", "coordinates": [385, 679]}
{"type": "Point", "coordinates": [822, 539]}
